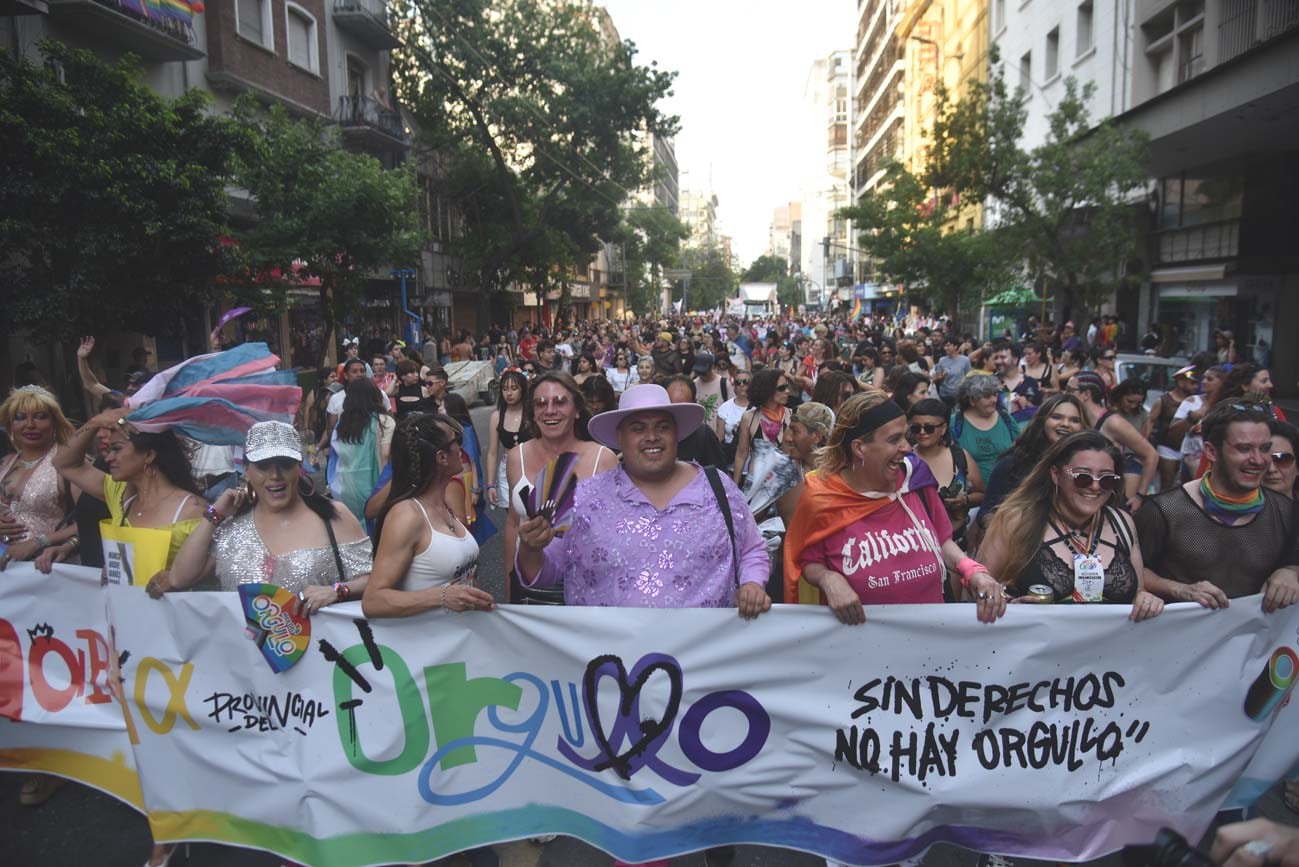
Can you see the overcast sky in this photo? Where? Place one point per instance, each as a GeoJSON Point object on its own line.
{"type": "Point", "coordinates": [742, 66]}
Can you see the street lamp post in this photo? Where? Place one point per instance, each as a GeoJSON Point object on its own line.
{"type": "Point", "coordinates": [412, 329]}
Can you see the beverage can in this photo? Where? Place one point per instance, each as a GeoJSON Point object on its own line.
{"type": "Point", "coordinates": [1040, 593]}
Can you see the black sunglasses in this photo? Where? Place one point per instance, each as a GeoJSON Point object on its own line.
{"type": "Point", "coordinates": [1249, 407]}
{"type": "Point", "coordinates": [925, 428]}
{"type": "Point", "coordinates": [743, 381]}
{"type": "Point", "coordinates": [1083, 479]}
{"type": "Point", "coordinates": [782, 387]}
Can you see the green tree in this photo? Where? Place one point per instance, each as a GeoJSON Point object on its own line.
{"type": "Point", "coordinates": [651, 239]}
{"type": "Point", "coordinates": [544, 122]}
{"type": "Point", "coordinates": [775, 269]}
{"type": "Point", "coordinates": [321, 211]}
{"type": "Point", "coordinates": [1064, 206]}
{"type": "Point", "coordinates": [909, 232]}
{"type": "Point", "coordinates": [1059, 213]}
{"type": "Point", "coordinates": [112, 198]}
{"type": "Point", "coordinates": [712, 282]}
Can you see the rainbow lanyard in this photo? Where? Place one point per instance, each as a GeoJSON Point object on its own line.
{"type": "Point", "coordinates": [1228, 510]}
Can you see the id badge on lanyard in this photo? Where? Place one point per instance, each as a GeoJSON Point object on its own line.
{"type": "Point", "coordinates": [1088, 578]}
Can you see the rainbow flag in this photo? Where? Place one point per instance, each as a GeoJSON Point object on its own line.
{"type": "Point", "coordinates": [857, 308]}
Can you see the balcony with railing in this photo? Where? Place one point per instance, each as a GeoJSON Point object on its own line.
{"type": "Point", "coordinates": [367, 20]}
{"type": "Point", "coordinates": [1247, 23]}
{"type": "Point", "coordinates": [370, 124]}
{"type": "Point", "coordinates": [153, 35]}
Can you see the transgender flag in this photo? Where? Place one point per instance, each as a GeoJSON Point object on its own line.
{"type": "Point", "coordinates": [215, 398]}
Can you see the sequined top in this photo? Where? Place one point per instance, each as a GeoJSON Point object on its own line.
{"type": "Point", "coordinates": [242, 558]}
{"type": "Point", "coordinates": [37, 506]}
{"type": "Point", "coordinates": [621, 551]}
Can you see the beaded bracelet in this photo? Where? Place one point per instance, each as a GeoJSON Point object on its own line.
{"type": "Point", "coordinates": [342, 592]}
{"type": "Point", "coordinates": [213, 515]}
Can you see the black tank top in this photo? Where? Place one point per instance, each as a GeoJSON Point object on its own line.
{"type": "Point", "coordinates": [1047, 567]}
{"type": "Point", "coordinates": [510, 438]}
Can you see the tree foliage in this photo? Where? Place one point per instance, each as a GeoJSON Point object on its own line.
{"type": "Point", "coordinates": [712, 282]}
{"type": "Point", "coordinates": [1064, 206]}
{"type": "Point", "coordinates": [910, 232]}
{"type": "Point", "coordinates": [112, 198]}
{"type": "Point", "coordinates": [775, 269]}
{"type": "Point", "coordinates": [651, 240]}
{"type": "Point", "coordinates": [544, 121]}
{"type": "Point", "coordinates": [1059, 212]}
{"type": "Point", "coordinates": [321, 211]}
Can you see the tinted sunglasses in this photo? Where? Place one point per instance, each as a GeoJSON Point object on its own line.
{"type": "Point", "coordinates": [1282, 459]}
{"type": "Point", "coordinates": [1249, 407]}
{"type": "Point", "coordinates": [743, 381]}
{"type": "Point", "coordinates": [1083, 479]}
{"type": "Point", "coordinates": [782, 387]}
{"type": "Point", "coordinates": [924, 428]}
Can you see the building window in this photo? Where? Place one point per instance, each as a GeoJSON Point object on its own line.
{"type": "Point", "coordinates": [300, 28]}
{"type": "Point", "coordinates": [1084, 28]}
{"type": "Point", "coordinates": [355, 79]}
{"type": "Point", "coordinates": [1053, 54]}
{"type": "Point", "coordinates": [253, 22]}
{"type": "Point", "coordinates": [1026, 73]}
{"type": "Point", "coordinates": [1190, 53]}
{"type": "Point", "coordinates": [998, 15]}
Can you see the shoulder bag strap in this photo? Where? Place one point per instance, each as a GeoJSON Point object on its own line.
{"type": "Point", "coordinates": [715, 481]}
{"type": "Point", "coordinates": [333, 544]}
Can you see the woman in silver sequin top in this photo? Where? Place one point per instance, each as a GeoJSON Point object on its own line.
{"type": "Point", "coordinates": [276, 530]}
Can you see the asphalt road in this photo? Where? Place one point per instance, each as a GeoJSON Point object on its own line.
{"type": "Point", "coordinates": [80, 827]}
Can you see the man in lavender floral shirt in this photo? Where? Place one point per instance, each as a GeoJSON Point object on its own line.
{"type": "Point", "coordinates": [650, 534]}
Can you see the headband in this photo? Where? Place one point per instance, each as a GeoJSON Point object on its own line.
{"type": "Point", "coordinates": [875, 418]}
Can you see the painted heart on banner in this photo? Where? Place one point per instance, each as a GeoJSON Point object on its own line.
{"type": "Point", "coordinates": [273, 622]}
{"type": "Point", "coordinates": [645, 736]}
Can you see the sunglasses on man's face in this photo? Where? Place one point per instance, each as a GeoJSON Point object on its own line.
{"type": "Point", "coordinates": [1084, 479]}
{"type": "Point", "coordinates": [743, 381]}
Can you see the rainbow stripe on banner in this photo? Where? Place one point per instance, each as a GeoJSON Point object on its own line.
{"type": "Point", "coordinates": [857, 309]}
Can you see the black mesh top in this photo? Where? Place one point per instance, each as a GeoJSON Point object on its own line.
{"type": "Point", "coordinates": [1179, 541]}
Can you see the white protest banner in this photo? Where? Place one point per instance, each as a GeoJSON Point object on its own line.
{"type": "Point", "coordinates": [58, 713]}
{"type": "Point", "coordinates": [1059, 733]}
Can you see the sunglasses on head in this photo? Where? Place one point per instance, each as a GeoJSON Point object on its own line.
{"type": "Point", "coordinates": [1282, 459]}
{"type": "Point", "coordinates": [1083, 479]}
{"type": "Point", "coordinates": [924, 428]}
{"type": "Point", "coordinates": [1249, 407]}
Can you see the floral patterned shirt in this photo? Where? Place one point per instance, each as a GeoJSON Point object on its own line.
{"type": "Point", "coordinates": [620, 551]}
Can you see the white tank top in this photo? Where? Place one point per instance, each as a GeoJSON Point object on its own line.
{"type": "Point", "coordinates": [516, 499]}
{"type": "Point", "coordinates": [447, 559]}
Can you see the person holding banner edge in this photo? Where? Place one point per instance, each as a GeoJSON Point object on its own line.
{"type": "Point", "coordinates": [426, 558]}
{"type": "Point", "coordinates": [871, 527]}
{"type": "Point", "coordinates": [1083, 546]}
{"type": "Point", "coordinates": [151, 495]}
{"type": "Point", "coordinates": [273, 530]}
{"type": "Point", "coordinates": [651, 492]}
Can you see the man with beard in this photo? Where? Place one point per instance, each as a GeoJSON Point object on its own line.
{"type": "Point", "coordinates": [1224, 535]}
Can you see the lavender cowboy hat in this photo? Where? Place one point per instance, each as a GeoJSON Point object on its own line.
{"type": "Point", "coordinates": [644, 398]}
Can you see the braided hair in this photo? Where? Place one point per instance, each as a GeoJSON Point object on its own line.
{"type": "Point", "coordinates": [415, 445]}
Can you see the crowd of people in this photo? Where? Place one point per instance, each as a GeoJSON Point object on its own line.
{"type": "Point", "coordinates": [722, 463]}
